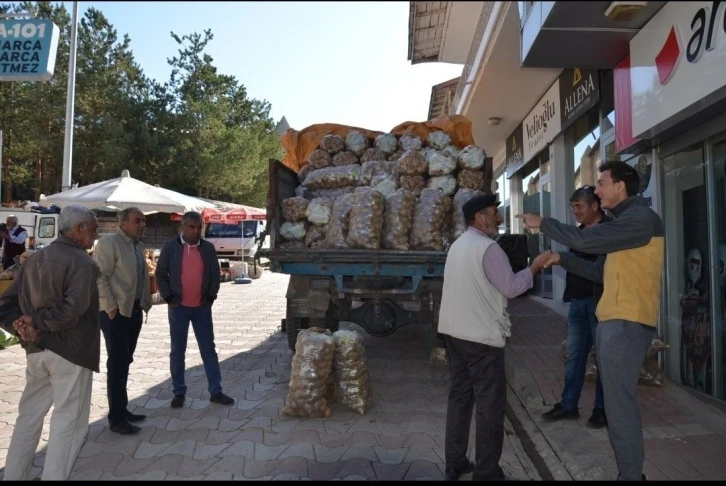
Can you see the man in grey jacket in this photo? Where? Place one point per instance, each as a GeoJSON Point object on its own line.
{"type": "Point", "coordinates": [187, 275]}
{"type": "Point", "coordinates": [59, 329]}
{"type": "Point", "coordinates": [124, 290]}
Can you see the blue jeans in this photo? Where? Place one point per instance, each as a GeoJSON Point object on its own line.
{"type": "Point", "coordinates": [581, 325]}
{"type": "Point", "coordinates": [201, 319]}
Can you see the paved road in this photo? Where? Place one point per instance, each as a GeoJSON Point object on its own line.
{"type": "Point", "coordinates": [401, 437]}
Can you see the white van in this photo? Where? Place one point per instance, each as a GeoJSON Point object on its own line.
{"type": "Point", "coordinates": [236, 241]}
{"type": "Point", "coordinates": [42, 228]}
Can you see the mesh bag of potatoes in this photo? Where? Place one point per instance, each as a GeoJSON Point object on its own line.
{"type": "Point", "coordinates": [350, 367]}
{"type": "Point", "coordinates": [415, 184]}
{"type": "Point", "coordinates": [337, 230]}
{"type": "Point", "coordinates": [294, 231]}
{"type": "Point", "coordinates": [429, 220]}
{"type": "Point", "coordinates": [398, 220]}
{"type": "Point", "coordinates": [311, 367]}
{"type": "Point", "coordinates": [372, 169]}
{"type": "Point", "coordinates": [412, 163]}
{"type": "Point", "coordinates": [315, 237]}
{"type": "Point", "coordinates": [294, 208]}
{"type": "Point", "coordinates": [319, 210]}
{"type": "Point", "coordinates": [333, 177]}
{"type": "Point", "coordinates": [366, 219]}
{"type": "Point", "coordinates": [330, 193]}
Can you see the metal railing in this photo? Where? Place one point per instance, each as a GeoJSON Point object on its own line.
{"type": "Point", "coordinates": [486, 11]}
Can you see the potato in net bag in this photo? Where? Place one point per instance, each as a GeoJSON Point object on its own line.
{"type": "Point", "coordinates": [415, 184]}
{"type": "Point", "coordinates": [438, 140]}
{"type": "Point", "coordinates": [471, 157]}
{"type": "Point", "coordinates": [319, 159]}
{"type": "Point", "coordinates": [429, 218]}
{"type": "Point", "coordinates": [470, 179]}
{"type": "Point", "coordinates": [292, 245]}
{"type": "Point", "coordinates": [315, 237]}
{"type": "Point", "coordinates": [366, 219]}
{"type": "Point", "coordinates": [294, 231]}
{"type": "Point", "coordinates": [396, 155]}
{"type": "Point", "coordinates": [332, 144]}
{"type": "Point", "coordinates": [333, 177]}
{"type": "Point", "coordinates": [330, 193]}
{"type": "Point", "coordinates": [412, 162]}
{"type": "Point", "coordinates": [319, 210]}
{"type": "Point", "coordinates": [386, 143]}
{"type": "Point", "coordinates": [410, 142]}
{"type": "Point", "coordinates": [294, 208]}
{"type": "Point", "coordinates": [371, 169]}
{"type": "Point", "coordinates": [344, 158]}
{"type": "Point", "coordinates": [311, 367]}
{"type": "Point", "coordinates": [446, 183]}
{"type": "Point", "coordinates": [350, 367]}
{"type": "Point", "coordinates": [384, 184]}
{"type": "Point", "coordinates": [398, 220]}
{"type": "Point", "coordinates": [441, 163]}
{"type": "Point", "coordinates": [303, 173]}
{"type": "Point", "coordinates": [372, 154]}
{"type": "Point", "coordinates": [356, 142]}
{"type": "Point", "coordinates": [459, 225]}
{"type": "Point", "coordinates": [337, 231]}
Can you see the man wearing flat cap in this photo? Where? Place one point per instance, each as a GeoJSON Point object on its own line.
{"type": "Point", "coordinates": [478, 280]}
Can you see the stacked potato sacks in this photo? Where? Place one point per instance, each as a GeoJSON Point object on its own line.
{"type": "Point", "coordinates": [394, 193]}
{"type": "Point", "coordinates": [350, 367]}
{"type": "Point", "coordinates": [309, 378]}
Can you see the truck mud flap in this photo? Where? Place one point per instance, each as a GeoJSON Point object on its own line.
{"type": "Point", "coordinates": [307, 298]}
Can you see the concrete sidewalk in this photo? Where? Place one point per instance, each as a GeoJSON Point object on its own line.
{"type": "Point", "coordinates": [400, 438]}
{"type": "Point", "coordinates": [684, 437]}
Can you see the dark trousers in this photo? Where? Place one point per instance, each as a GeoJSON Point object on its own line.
{"type": "Point", "coordinates": [581, 327]}
{"type": "Point", "coordinates": [8, 262]}
{"type": "Point", "coordinates": [201, 319]}
{"type": "Point", "coordinates": [477, 376]}
{"type": "Point", "coordinates": [121, 335]}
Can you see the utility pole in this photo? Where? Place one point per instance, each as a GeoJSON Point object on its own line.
{"type": "Point", "coordinates": [70, 101]}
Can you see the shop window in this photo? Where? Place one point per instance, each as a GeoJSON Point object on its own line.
{"type": "Point", "coordinates": [688, 306]}
{"type": "Point", "coordinates": [719, 157]}
{"type": "Point", "coordinates": [607, 91]}
{"type": "Point", "coordinates": [503, 196]}
{"type": "Point", "coordinates": [585, 139]}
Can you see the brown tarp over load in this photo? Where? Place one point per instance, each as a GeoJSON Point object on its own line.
{"type": "Point", "coordinates": [300, 144]}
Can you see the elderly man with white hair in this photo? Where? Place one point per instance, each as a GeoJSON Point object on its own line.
{"type": "Point", "coordinates": [57, 296]}
{"type": "Point", "coordinates": [13, 241]}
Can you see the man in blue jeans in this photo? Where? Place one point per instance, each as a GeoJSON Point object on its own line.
{"type": "Point", "coordinates": [187, 275]}
{"type": "Point", "coordinates": [582, 295]}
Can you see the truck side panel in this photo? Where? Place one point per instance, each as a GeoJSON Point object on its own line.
{"type": "Point", "coordinates": [283, 182]}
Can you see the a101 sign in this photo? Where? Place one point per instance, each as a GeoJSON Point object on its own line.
{"type": "Point", "coordinates": [28, 49]}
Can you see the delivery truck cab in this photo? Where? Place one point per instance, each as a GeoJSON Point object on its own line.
{"type": "Point", "coordinates": [42, 228]}
{"type": "Point", "coordinates": [236, 241]}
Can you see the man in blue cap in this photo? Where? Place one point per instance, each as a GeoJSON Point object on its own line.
{"type": "Point", "coordinates": [478, 280]}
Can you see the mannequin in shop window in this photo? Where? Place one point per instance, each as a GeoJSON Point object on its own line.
{"type": "Point", "coordinates": [695, 327]}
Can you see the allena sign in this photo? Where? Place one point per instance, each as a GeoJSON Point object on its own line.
{"type": "Point", "coordinates": [678, 65]}
{"type": "Point", "coordinates": [704, 29]}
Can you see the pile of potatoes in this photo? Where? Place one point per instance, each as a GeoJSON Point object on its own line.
{"type": "Point", "coordinates": [397, 193]}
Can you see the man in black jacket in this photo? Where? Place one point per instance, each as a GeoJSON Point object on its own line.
{"type": "Point", "coordinates": [582, 294]}
{"type": "Point", "coordinates": [187, 275]}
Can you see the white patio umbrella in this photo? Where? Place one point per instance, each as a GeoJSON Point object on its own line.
{"type": "Point", "coordinates": [125, 192]}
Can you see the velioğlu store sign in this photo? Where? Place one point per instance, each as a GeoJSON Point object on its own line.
{"type": "Point", "coordinates": [570, 97]}
{"type": "Point", "coordinates": [28, 49]}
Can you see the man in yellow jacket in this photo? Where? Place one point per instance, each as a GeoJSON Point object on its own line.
{"type": "Point", "coordinates": [630, 268]}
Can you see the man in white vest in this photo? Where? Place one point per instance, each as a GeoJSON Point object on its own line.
{"type": "Point", "coordinates": [478, 280]}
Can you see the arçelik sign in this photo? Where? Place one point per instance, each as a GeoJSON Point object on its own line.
{"type": "Point", "coordinates": [28, 49]}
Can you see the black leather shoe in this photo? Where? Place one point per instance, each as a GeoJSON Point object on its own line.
{"type": "Point", "coordinates": [132, 417]}
{"type": "Point", "coordinates": [597, 420]}
{"type": "Point", "coordinates": [177, 401]}
{"type": "Point", "coordinates": [222, 399]}
{"type": "Point", "coordinates": [559, 413]}
{"type": "Point", "coordinates": [454, 474]}
{"type": "Point", "coordinates": [124, 428]}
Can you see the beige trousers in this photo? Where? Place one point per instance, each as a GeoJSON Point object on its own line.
{"type": "Point", "coordinates": [50, 380]}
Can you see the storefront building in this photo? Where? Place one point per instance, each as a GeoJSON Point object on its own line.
{"type": "Point", "coordinates": [650, 91]}
{"type": "Point", "coordinates": [672, 98]}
